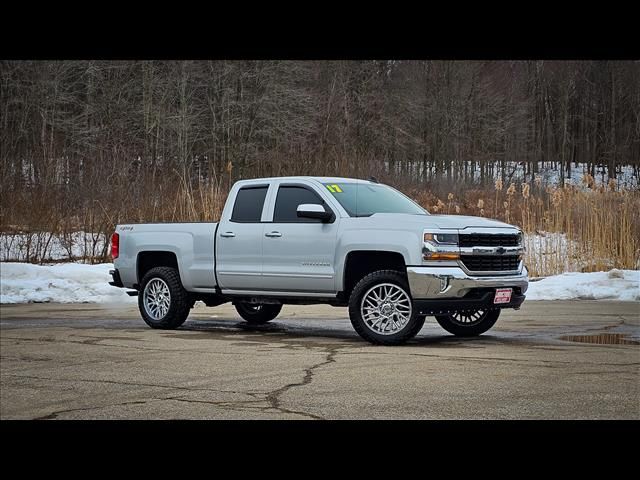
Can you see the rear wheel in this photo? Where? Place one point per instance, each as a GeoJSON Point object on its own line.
{"type": "Point", "coordinates": [468, 323]}
{"type": "Point", "coordinates": [381, 309]}
{"type": "Point", "coordinates": [162, 300]}
{"type": "Point", "coordinates": [258, 313]}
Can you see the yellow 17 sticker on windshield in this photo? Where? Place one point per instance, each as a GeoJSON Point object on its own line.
{"type": "Point", "coordinates": [334, 188]}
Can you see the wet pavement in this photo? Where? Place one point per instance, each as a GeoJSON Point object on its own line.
{"type": "Point", "coordinates": [562, 359]}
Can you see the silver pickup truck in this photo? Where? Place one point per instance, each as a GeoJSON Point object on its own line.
{"type": "Point", "coordinates": [340, 241]}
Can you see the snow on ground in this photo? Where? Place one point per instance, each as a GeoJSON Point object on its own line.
{"type": "Point", "coordinates": [63, 283]}
{"type": "Point", "coordinates": [621, 285]}
{"type": "Point", "coordinates": [80, 283]}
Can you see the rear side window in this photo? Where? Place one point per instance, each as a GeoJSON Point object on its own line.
{"type": "Point", "coordinates": [287, 202]}
{"type": "Point", "coordinates": [249, 203]}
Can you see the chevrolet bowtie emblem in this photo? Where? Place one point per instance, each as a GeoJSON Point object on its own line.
{"type": "Point", "coordinates": [500, 250]}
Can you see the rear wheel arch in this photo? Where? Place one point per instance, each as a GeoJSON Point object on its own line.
{"type": "Point", "coordinates": [148, 259]}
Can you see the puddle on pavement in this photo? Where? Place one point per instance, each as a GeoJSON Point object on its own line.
{"type": "Point", "coordinates": [602, 339]}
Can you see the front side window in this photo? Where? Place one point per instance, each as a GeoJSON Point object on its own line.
{"type": "Point", "coordinates": [287, 201]}
{"type": "Point", "coordinates": [249, 203]}
{"type": "Point", "coordinates": [366, 199]}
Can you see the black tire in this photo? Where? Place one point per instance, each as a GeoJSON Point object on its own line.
{"type": "Point", "coordinates": [258, 314]}
{"type": "Point", "coordinates": [408, 331]}
{"type": "Point", "coordinates": [180, 302]}
{"type": "Point", "coordinates": [475, 328]}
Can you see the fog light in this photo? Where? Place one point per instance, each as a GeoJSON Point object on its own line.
{"type": "Point", "coordinates": [444, 282]}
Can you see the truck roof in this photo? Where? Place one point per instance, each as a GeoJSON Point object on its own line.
{"type": "Point", "coordinates": [302, 177]}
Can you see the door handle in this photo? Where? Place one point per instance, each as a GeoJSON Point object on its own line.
{"type": "Point", "coordinates": [273, 234]}
{"type": "Point", "coordinates": [228, 234]}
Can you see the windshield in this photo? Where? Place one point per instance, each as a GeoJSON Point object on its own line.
{"type": "Point", "coordinates": [365, 199]}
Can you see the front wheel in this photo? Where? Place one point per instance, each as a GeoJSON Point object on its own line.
{"type": "Point", "coordinates": [468, 324]}
{"type": "Point", "coordinates": [258, 313]}
{"type": "Point", "coordinates": [381, 309]}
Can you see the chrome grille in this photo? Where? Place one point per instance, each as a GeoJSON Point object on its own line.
{"type": "Point", "coordinates": [488, 240]}
{"type": "Point", "coordinates": [490, 263]}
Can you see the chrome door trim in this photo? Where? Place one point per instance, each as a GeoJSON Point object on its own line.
{"type": "Point", "coordinates": [298, 275]}
{"type": "Point", "coordinates": [268, 293]}
{"type": "Point", "coordinates": [246, 274]}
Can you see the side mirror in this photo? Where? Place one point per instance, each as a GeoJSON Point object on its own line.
{"type": "Point", "coordinates": [313, 210]}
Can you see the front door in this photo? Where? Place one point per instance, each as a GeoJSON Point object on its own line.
{"type": "Point", "coordinates": [298, 253]}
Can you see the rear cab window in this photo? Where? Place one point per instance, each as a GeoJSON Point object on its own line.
{"type": "Point", "coordinates": [249, 204]}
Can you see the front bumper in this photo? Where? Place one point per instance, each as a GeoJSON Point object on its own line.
{"type": "Point", "coordinates": [445, 289]}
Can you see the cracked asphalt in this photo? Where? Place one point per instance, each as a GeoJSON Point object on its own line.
{"type": "Point", "coordinates": [98, 362]}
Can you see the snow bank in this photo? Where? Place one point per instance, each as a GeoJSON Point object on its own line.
{"type": "Point", "coordinates": [613, 285]}
{"type": "Point", "coordinates": [62, 283]}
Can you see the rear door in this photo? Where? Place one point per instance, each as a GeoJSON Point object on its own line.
{"type": "Point", "coordinates": [239, 241]}
{"type": "Point", "coordinates": [298, 253]}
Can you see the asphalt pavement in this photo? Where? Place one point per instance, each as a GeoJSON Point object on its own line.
{"type": "Point", "coordinates": [102, 362]}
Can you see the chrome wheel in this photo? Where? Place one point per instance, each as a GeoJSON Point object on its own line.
{"type": "Point", "coordinates": [157, 298]}
{"type": "Point", "coordinates": [468, 318]}
{"type": "Point", "coordinates": [386, 308]}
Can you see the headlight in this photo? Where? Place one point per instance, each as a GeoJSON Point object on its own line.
{"type": "Point", "coordinates": [440, 246]}
{"type": "Point", "coordinates": [441, 238]}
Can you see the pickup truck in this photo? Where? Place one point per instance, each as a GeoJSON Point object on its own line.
{"type": "Point", "coordinates": [338, 241]}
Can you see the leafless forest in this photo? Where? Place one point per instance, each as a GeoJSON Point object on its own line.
{"type": "Point", "coordinates": [87, 144]}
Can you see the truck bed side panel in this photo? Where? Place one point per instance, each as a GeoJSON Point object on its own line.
{"type": "Point", "coordinates": [192, 244]}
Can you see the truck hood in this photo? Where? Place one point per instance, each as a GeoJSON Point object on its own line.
{"type": "Point", "coordinates": [442, 221]}
{"type": "Point", "coordinates": [463, 221]}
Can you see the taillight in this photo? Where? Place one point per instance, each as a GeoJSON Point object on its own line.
{"type": "Point", "coordinates": [115, 245]}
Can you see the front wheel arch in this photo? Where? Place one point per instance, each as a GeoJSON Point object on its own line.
{"type": "Point", "coordinates": [360, 263]}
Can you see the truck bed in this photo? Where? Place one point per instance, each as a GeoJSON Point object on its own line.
{"type": "Point", "coordinates": [191, 243]}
